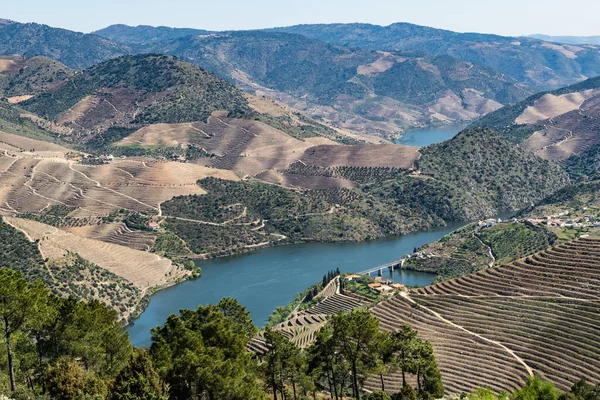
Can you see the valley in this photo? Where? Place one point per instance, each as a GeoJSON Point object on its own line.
{"type": "Point", "coordinates": [282, 272]}
{"type": "Point", "coordinates": [166, 191]}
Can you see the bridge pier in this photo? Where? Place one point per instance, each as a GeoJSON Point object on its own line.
{"type": "Point", "coordinates": [380, 272]}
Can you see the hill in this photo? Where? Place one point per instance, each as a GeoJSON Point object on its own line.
{"type": "Point", "coordinates": [475, 175]}
{"type": "Point", "coordinates": [496, 327]}
{"type": "Point", "coordinates": [537, 315]}
{"type": "Point", "coordinates": [140, 34]}
{"type": "Point", "coordinates": [595, 40]}
{"type": "Point", "coordinates": [364, 90]}
{"type": "Point", "coordinates": [473, 248]}
{"type": "Point", "coordinates": [22, 78]}
{"type": "Point", "coordinates": [76, 50]}
{"type": "Point", "coordinates": [478, 174]}
{"type": "Point", "coordinates": [586, 165]}
{"type": "Point", "coordinates": [539, 64]}
{"type": "Point", "coordinates": [131, 91]}
{"type": "Point", "coordinates": [579, 199]}
{"type": "Point", "coordinates": [555, 125]}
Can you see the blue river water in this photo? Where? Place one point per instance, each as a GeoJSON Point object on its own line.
{"type": "Point", "coordinates": [427, 136]}
{"type": "Point", "coordinates": [274, 276]}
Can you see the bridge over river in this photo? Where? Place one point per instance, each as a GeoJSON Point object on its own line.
{"type": "Point", "coordinates": [379, 269]}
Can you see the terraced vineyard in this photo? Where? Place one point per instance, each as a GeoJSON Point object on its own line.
{"type": "Point", "coordinates": [302, 327]}
{"type": "Point", "coordinates": [499, 325]}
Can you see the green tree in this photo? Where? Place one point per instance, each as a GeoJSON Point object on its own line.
{"type": "Point", "coordinates": [486, 394]}
{"type": "Point", "coordinates": [66, 379]}
{"type": "Point", "coordinates": [423, 359]}
{"type": "Point", "coordinates": [406, 393]}
{"type": "Point", "coordinates": [404, 345]}
{"type": "Point", "coordinates": [381, 395]}
{"type": "Point", "coordinates": [326, 364]}
{"type": "Point", "coordinates": [536, 389]}
{"type": "Point", "coordinates": [202, 354]}
{"type": "Point", "coordinates": [357, 336]}
{"type": "Point", "coordinates": [386, 356]}
{"type": "Point", "coordinates": [138, 380]}
{"type": "Point", "coordinates": [20, 304]}
{"type": "Point", "coordinates": [87, 331]}
{"type": "Point", "coordinates": [433, 386]}
{"type": "Point", "coordinates": [283, 363]}
{"type": "Point", "coordinates": [584, 391]}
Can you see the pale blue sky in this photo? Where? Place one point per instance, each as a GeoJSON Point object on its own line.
{"type": "Point", "coordinates": [507, 17]}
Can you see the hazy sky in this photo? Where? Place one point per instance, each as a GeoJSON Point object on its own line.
{"type": "Point", "coordinates": [506, 17]}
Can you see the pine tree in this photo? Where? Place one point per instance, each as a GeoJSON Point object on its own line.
{"type": "Point", "coordinates": [432, 382]}
{"type": "Point", "coordinates": [309, 296]}
{"type": "Point", "coordinates": [138, 380]}
{"type": "Point", "coordinates": [21, 303]}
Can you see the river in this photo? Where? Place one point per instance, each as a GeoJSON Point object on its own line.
{"type": "Point", "coordinates": [274, 276]}
{"type": "Point", "coordinates": [427, 136]}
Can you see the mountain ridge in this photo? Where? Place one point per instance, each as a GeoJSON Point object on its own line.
{"type": "Point", "coordinates": [595, 40]}
{"type": "Point", "coordinates": [74, 49]}
{"type": "Point", "coordinates": [525, 59]}
{"type": "Point", "coordinates": [556, 124]}
{"type": "Point", "coordinates": [140, 34]}
{"type": "Point", "coordinates": [136, 90]}
{"type": "Point", "coordinates": [349, 87]}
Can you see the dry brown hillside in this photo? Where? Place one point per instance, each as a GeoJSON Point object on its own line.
{"type": "Point", "coordinates": [255, 149]}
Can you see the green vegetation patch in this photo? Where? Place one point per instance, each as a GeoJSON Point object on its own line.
{"type": "Point", "coordinates": [55, 215]}
{"type": "Point", "coordinates": [585, 166]}
{"type": "Point", "coordinates": [455, 254]}
{"type": "Point", "coordinates": [75, 276]}
{"type": "Point", "coordinates": [12, 122]}
{"type": "Point", "coordinates": [467, 249]}
{"type": "Point", "coordinates": [69, 276]}
{"type": "Point", "coordinates": [357, 174]}
{"type": "Point", "coordinates": [236, 214]}
{"type": "Point", "coordinates": [19, 254]}
{"type": "Point", "coordinates": [578, 199]}
{"type": "Point", "coordinates": [360, 287]}
{"type": "Point", "coordinates": [516, 240]}
{"type": "Point", "coordinates": [168, 244]}
{"type": "Point", "coordinates": [488, 174]}
{"type": "Point", "coordinates": [214, 240]}
{"type": "Point", "coordinates": [187, 93]}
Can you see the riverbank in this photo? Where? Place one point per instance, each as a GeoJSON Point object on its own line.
{"type": "Point", "coordinates": [274, 276]}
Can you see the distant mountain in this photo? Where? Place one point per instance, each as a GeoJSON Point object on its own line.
{"type": "Point", "coordinates": [371, 91]}
{"type": "Point", "coordinates": [555, 125]}
{"type": "Point", "coordinates": [132, 91]}
{"type": "Point", "coordinates": [145, 34]}
{"type": "Point", "coordinates": [76, 50]}
{"type": "Point", "coordinates": [21, 78]}
{"type": "Point", "coordinates": [595, 40]}
{"type": "Point", "coordinates": [375, 92]}
{"type": "Point", "coordinates": [539, 64]}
